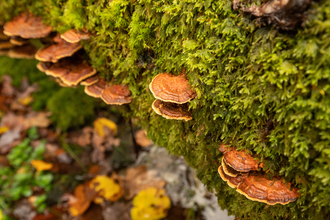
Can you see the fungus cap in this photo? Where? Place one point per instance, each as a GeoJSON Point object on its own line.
{"type": "Point", "coordinates": [116, 95]}
{"type": "Point", "coordinates": [170, 88]}
{"type": "Point", "coordinates": [231, 181]}
{"type": "Point", "coordinates": [229, 170]}
{"type": "Point", "coordinates": [74, 36]}
{"type": "Point", "coordinates": [171, 110]}
{"type": "Point", "coordinates": [60, 49]}
{"type": "Point", "coordinates": [240, 161]}
{"type": "Point", "coordinates": [272, 192]}
{"type": "Point", "coordinates": [26, 25]}
{"type": "Point", "coordinates": [96, 89]}
{"type": "Point", "coordinates": [18, 41]}
{"type": "Point", "coordinates": [5, 45]}
{"type": "Point", "coordinates": [71, 70]}
{"type": "Point", "coordinates": [90, 80]}
{"type": "Point", "coordinates": [23, 52]}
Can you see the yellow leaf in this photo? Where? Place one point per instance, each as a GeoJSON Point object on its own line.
{"type": "Point", "coordinates": [25, 101]}
{"type": "Point", "coordinates": [41, 165]}
{"type": "Point", "coordinates": [3, 129]}
{"type": "Point", "coordinates": [0, 215]}
{"type": "Point", "coordinates": [101, 122]}
{"type": "Point", "coordinates": [150, 204]}
{"type": "Point", "coordinates": [107, 188]}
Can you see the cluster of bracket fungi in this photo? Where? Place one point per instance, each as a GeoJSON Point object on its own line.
{"type": "Point", "coordinates": [283, 14]}
{"type": "Point", "coordinates": [61, 57]}
{"type": "Point", "coordinates": [172, 94]}
{"type": "Point", "coordinates": [240, 171]}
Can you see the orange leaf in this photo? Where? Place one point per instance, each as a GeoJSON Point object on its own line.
{"type": "Point", "coordinates": [41, 165]}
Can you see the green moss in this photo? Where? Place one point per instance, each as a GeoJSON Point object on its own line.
{"type": "Point", "coordinates": [244, 76]}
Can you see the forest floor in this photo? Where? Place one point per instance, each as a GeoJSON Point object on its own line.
{"type": "Point", "coordinates": [106, 170]}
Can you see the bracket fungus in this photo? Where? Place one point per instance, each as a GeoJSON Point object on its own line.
{"type": "Point", "coordinates": [239, 160]}
{"type": "Point", "coordinates": [60, 49]}
{"type": "Point", "coordinates": [284, 14]}
{"type": "Point", "coordinates": [71, 70]}
{"type": "Point", "coordinates": [116, 95]}
{"type": "Point", "coordinates": [172, 110]}
{"type": "Point", "coordinates": [275, 191]}
{"type": "Point", "coordinates": [232, 181]}
{"type": "Point", "coordinates": [18, 41]}
{"type": "Point", "coordinates": [229, 170]}
{"type": "Point", "coordinates": [170, 88]}
{"type": "Point", "coordinates": [75, 36]}
{"type": "Point", "coordinates": [23, 52]}
{"type": "Point", "coordinates": [96, 89]}
{"type": "Point", "coordinates": [26, 25]}
{"type": "Point", "coordinates": [90, 80]}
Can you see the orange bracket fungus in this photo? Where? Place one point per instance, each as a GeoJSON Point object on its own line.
{"type": "Point", "coordinates": [74, 36]}
{"type": "Point", "coordinates": [23, 52]}
{"type": "Point", "coordinates": [70, 70]}
{"type": "Point", "coordinates": [26, 25]}
{"type": "Point", "coordinates": [272, 192]}
{"type": "Point", "coordinates": [116, 95]}
{"type": "Point", "coordinates": [60, 49]}
{"type": "Point", "coordinates": [232, 181]}
{"type": "Point", "coordinates": [90, 81]}
{"type": "Point", "coordinates": [171, 110]}
{"type": "Point", "coordinates": [96, 89]}
{"type": "Point", "coordinates": [229, 170]}
{"type": "Point", "coordinates": [18, 41]}
{"type": "Point", "coordinates": [170, 88]}
{"type": "Point", "coordinates": [239, 160]}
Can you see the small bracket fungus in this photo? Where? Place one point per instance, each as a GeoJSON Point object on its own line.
{"type": "Point", "coordinates": [18, 41]}
{"type": "Point", "coordinates": [232, 181]}
{"type": "Point", "coordinates": [171, 110]}
{"type": "Point", "coordinates": [60, 49]}
{"type": "Point", "coordinates": [272, 192]}
{"type": "Point", "coordinates": [26, 25]}
{"type": "Point", "coordinates": [285, 14]}
{"type": "Point", "coordinates": [75, 36]}
{"type": "Point", "coordinates": [96, 89]}
{"type": "Point", "coordinates": [116, 95]}
{"type": "Point", "coordinates": [70, 70]}
{"type": "Point", "coordinates": [229, 170]}
{"type": "Point", "coordinates": [170, 88]}
{"type": "Point", "coordinates": [23, 52]}
{"type": "Point", "coordinates": [90, 81]}
{"type": "Point", "coordinates": [239, 160]}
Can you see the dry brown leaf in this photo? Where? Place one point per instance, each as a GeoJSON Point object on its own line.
{"type": "Point", "coordinates": [142, 139]}
{"type": "Point", "coordinates": [139, 178]}
{"type": "Point", "coordinates": [37, 119]}
{"type": "Point", "coordinates": [118, 211]}
{"type": "Point", "coordinates": [7, 88]}
{"type": "Point", "coordinates": [83, 139]}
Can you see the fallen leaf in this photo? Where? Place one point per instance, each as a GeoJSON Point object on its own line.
{"type": "Point", "coordinates": [3, 129]}
{"type": "Point", "coordinates": [37, 119]}
{"type": "Point", "coordinates": [83, 196]}
{"type": "Point", "coordinates": [25, 101]}
{"type": "Point", "coordinates": [9, 137]}
{"type": "Point", "coordinates": [141, 138]}
{"type": "Point", "coordinates": [7, 88]}
{"type": "Point", "coordinates": [104, 122]}
{"type": "Point", "coordinates": [150, 204]}
{"type": "Point", "coordinates": [41, 165]}
{"type": "Point", "coordinates": [139, 178]}
{"type": "Point", "coordinates": [117, 211]}
{"type": "Point", "coordinates": [107, 187]}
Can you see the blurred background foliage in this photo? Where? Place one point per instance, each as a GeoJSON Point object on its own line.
{"type": "Point", "coordinates": [246, 77]}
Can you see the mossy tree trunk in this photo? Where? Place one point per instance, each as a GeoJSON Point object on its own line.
{"type": "Point", "coordinates": [246, 77]}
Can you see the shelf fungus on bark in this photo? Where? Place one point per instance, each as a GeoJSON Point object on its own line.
{"type": "Point", "coordinates": [75, 36]}
{"type": "Point", "coordinates": [60, 49]}
{"type": "Point", "coordinates": [70, 70]}
{"type": "Point", "coordinates": [275, 191]}
{"type": "Point", "coordinates": [26, 51]}
{"type": "Point", "coordinates": [26, 25]}
{"type": "Point", "coordinates": [229, 170]}
{"type": "Point", "coordinates": [284, 14]}
{"type": "Point", "coordinates": [96, 89]}
{"type": "Point", "coordinates": [170, 88]}
{"type": "Point", "coordinates": [90, 80]}
{"type": "Point", "coordinates": [231, 181]}
{"type": "Point", "coordinates": [18, 41]}
{"type": "Point", "coordinates": [116, 95]}
{"type": "Point", "coordinates": [239, 160]}
{"type": "Point", "coordinates": [172, 110]}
